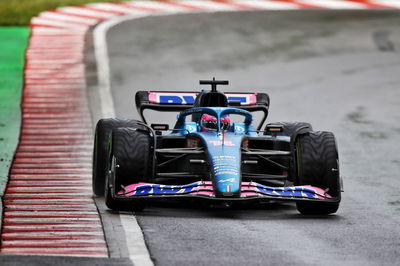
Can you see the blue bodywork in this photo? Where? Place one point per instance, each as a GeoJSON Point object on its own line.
{"type": "Point", "coordinates": [223, 147]}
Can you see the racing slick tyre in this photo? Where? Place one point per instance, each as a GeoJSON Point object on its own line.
{"type": "Point", "coordinates": [318, 165]}
{"type": "Point", "coordinates": [289, 128]}
{"type": "Point", "coordinates": [104, 128]}
{"type": "Point", "coordinates": [131, 150]}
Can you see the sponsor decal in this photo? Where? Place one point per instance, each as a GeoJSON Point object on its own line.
{"type": "Point", "coordinates": [226, 180]}
{"type": "Point", "coordinates": [287, 192]}
{"type": "Point", "coordinates": [190, 128]}
{"type": "Point", "coordinates": [220, 142]}
{"type": "Point", "coordinates": [225, 165]}
{"type": "Point", "coordinates": [239, 129]}
{"type": "Point", "coordinates": [188, 98]}
{"type": "Point", "coordinates": [156, 189]}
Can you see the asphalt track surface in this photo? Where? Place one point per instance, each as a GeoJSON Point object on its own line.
{"type": "Point", "coordinates": [337, 70]}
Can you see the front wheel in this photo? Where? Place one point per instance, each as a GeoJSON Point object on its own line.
{"type": "Point", "coordinates": [131, 162]}
{"type": "Point", "coordinates": [104, 128]}
{"type": "Point", "coordinates": [318, 165]}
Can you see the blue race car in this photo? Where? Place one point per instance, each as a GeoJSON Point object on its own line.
{"type": "Point", "coordinates": [215, 153]}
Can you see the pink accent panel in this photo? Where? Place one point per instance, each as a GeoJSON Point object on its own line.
{"type": "Point", "coordinates": [206, 193]}
{"type": "Point", "coordinates": [253, 98]}
{"type": "Point", "coordinates": [152, 97]}
{"type": "Point", "coordinates": [247, 194]}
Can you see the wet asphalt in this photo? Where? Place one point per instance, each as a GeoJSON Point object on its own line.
{"type": "Point", "coordinates": [337, 70]}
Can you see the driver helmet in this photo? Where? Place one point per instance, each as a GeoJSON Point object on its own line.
{"type": "Point", "coordinates": [209, 122]}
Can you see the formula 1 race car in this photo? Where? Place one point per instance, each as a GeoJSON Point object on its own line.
{"type": "Point", "coordinates": [215, 153]}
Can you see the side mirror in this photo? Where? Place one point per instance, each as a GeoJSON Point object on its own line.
{"type": "Point", "coordinates": [160, 127]}
{"type": "Point", "coordinates": [273, 129]}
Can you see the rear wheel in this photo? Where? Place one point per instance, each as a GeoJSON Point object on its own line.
{"type": "Point", "coordinates": [131, 162]}
{"type": "Point", "coordinates": [318, 165]}
{"type": "Point", "coordinates": [100, 151]}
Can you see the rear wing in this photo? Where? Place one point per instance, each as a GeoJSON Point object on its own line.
{"type": "Point", "coordinates": [178, 101]}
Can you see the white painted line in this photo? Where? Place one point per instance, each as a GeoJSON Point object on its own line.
{"type": "Point", "coordinates": [57, 124]}
{"type": "Point", "coordinates": [211, 6]}
{"type": "Point", "coordinates": [137, 249]}
{"type": "Point", "coordinates": [40, 75]}
{"type": "Point", "coordinates": [157, 5]}
{"type": "Point", "coordinates": [46, 95]}
{"type": "Point", "coordinates": [334, 4]}
{"type": "Point", "coordinates": [71, 252]}
{"type": "Point", "coordinates": [56, 137]}
{"type": "Point", "coordinates": [58, 51]}
{"type": "Point", "coordinates": [46, 59]}
{"type": "Point", "coordinates": [59, 16]}
{"type": "Point", "coordinates": [390, 3]}
{"type": "Point", "coordinates": [65, 40]}
{"type": "Point", "coordinates": [103, 71]}
{"type": "Point", "coordinates": [59, 226]}
{"type": "Point", "coordinates": [51, 213]}
{"type": "Point", "coordinates": [53, 23]}
{"type": "Point", "coordinates": [269, 5]}
{"type": "Point", "coordinates": [75, 60]}
{"type": "Point", "coordinates": [62, 88]}
{"type": "Point", "coordinates": [82, 12]}
{"type": "Point", "coordinates": [54, 57]}
{"type": "Point", "coordinates": [44, 175]}
{"type": "Point", "coordinates": [45, 165]}
{"type": "Point", "coordinates": [56, 148]}
{"type": "Point", "coordinates": [74, 70]}
{"type": "Point", "coordinates": [46, 31]}
{"type": "Point", "coordinates": [50, 219]}
{"type": "Point", "coordinates": [56, 154]}
{"type": "Point", "coordinates": [57, 131]}
{"type": "Point", "coordinates": [56, 183]}
{"type": "Point", "coordinates": [47, 196]}
{"type": "Point", "coordinates": [102, 62]}
{"type": "Point", "coordinates": [115, 8]}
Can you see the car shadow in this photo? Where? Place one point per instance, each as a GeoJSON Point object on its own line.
{"type": "Point", "coordinates": [259, 211]}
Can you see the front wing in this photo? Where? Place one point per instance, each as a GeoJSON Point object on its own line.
{"type": "Point", "coordinates": [204, 189]}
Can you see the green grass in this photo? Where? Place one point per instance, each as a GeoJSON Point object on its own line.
{"type": "Point", "coordinates": [20, 12]}
{"type": "Point", "coordinates": [12, 59]}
